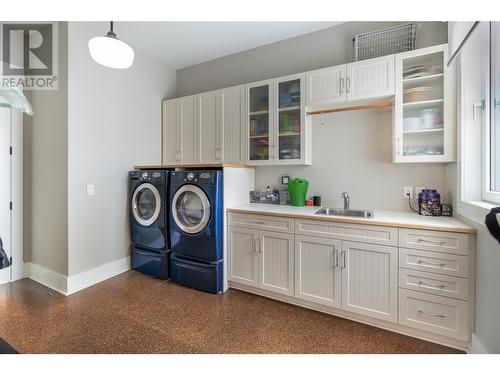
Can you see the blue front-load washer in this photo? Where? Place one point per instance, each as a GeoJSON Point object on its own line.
{"type": "Point", "coordinates": [196, 232]}
{"type": "Point", "coordinates": [149, 210]}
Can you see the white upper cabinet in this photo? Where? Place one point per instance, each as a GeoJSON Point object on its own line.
{"type": "Point", "coordinates": [260, 122]}
{"type": "Point", "coordinates": [208, 127]}
{"type": "Point", "coordinates": [277, 130]}
{"type": "Point", "coordinates": [179, 131]}
{"type": "Point", "coordinates": [231, 147]}
{"type": "Point", "coordinates": [361, 80]}
{"type": "Point", "coordinates": [326, 86]}
{"type": "Point", "coordinates": [369, 79]}
{"type": "Point", "coordinates": [424, 104]}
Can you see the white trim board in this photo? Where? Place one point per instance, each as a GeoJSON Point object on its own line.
{"type": "Point", "coordinates": [71, 284]}
{"type": "Point", "coordinates": [476, 346]}
{"type": "Point", "coordinates": [49, 278]}
{"type": "Point", "coordinates": [96, 275]}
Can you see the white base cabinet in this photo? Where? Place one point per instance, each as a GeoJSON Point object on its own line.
{"type": "Point", "coordinates": [370, 280]}
{"type": "Point", "coordinates": [262, 259]}
{"type": "Point", "coordinates": [318, 277]}
{"type": "Point", "coordinates": [359, 272]}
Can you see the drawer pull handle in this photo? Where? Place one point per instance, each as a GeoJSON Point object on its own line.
{"type": "Point", "coordinates": [439, 243]}
{"type": "Point", "coordinates": [431, 314]}
{"type": "Point", "coordinates": [257, 222]}
{"type": "Point", "coordinates": [430, 263]}
{"type": "Point", "coordinates": [430, 285]}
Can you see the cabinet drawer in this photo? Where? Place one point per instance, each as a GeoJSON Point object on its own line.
{"type": "Point", "coordinates": [440, 315]}
{"type": "Point", "coordinates": [352, 232]}
{"type": "Point", "coordinates": [272, 223]}
{"type": "Point", "coordinates": [445, 242]}
{"type": "Point", "coordinates": [447, 286]}
{"type": "Point", "coordinates": [446, 264]}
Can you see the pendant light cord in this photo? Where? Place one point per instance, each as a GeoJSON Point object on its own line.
{"type": "Point", "coordinates": [111, 27]}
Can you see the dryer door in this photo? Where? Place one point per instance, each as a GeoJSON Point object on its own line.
{"type": "Point", "coordinates": [191, 209]}
{"type": "Point", "coordinates": [146, 204]}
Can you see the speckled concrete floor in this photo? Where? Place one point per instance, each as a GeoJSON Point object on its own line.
{"type": "Point", "coordinates": [133, 313]}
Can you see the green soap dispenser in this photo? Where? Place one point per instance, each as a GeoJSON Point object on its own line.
{"type": "Point", "coordinates": [298, 190]}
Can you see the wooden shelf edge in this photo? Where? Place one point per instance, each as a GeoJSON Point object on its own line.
{"type": "Point", "coordinates": [384, 104]}
{"type": "Point", "coordinates": [169, 166]}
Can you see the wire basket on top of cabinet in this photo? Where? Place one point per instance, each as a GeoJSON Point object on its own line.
{"type": "Point", "coordinates": [395, 39]}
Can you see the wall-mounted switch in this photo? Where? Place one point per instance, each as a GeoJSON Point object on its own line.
{"type": "Point", "coordinates": [90, 190]}
{"type": "Point", "coordinates": [285, 179]}
{"type": "Point", "coordinates": [408, 190]}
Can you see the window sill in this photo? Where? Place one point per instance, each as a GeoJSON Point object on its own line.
{"type": "Point", "coordinates": [475, 210]}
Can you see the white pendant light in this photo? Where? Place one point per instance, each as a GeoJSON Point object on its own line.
{"type": "Point", "coordinates": [110, 51]}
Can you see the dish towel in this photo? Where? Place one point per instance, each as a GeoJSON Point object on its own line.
{"type": "Point", "coordinates": [4, 259]}
{"type": "Point", "coordinates": [492, 222]}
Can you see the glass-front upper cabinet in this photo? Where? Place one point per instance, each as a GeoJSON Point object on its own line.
{"type": "Point", "coordinates": [290, 117]}
{"type": "Point", "coordinates": [277, 131]}
{"type": "Point", "coordinates": [260, 122]}
{"type": "Point", "coordinates": [424, 107]}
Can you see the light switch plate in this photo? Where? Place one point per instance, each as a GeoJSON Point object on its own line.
{"type": "Point", "coordinates": [90, 189]}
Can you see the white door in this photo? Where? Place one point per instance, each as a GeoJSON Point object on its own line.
{"type": "Point", "coordinates": [187, 138]}
{"type": "Point", "coordinates": [208, 128]}
{"type": "Point", "coordinates": [317, 273]}
{"type": "Point", "coordinates": [5, 191]}
{"type": "Point", "coordinates": [424, 107]}
{"type": "Point", "coordinates": [326, 86]}
{"type": "Point", "coordinates": [243, 256]}
{"type": "Point", "coordinates": [370, 280]}
{"type": "Point", "coordinates": [276, 259]}
{"type": "Point", "coordinates": [231, 148]}
{"type": "Point", "coordinates": [260, 123]}
{"type": "Point", "coordinates": [289, 135]}
{"type": "Point", "coordinates": [171, 121]}
{"type": "Point", "coordinates": [371, 78]}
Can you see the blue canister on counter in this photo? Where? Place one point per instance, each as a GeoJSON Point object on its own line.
{"type": "Point", "coordinates": [429, 203]}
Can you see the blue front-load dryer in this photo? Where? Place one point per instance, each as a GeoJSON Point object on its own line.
{"type": "Point", "coordinates": [196, 232]}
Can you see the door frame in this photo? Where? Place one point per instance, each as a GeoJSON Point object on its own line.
{"type": "Point", "coordinates": [16, 193]}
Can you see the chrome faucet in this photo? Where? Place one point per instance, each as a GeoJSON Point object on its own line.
{"type": "Point", "coordinates": [347, 200]}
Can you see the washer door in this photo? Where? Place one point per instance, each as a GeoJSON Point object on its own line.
{"type": "Point", "coordinates": [146, 204]}
{"type": "Point", "coordinates": [191, 209]}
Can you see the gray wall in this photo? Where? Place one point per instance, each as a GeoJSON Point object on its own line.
{"type": "Point", "coordinates": [114, 123]}
{"type": "Point", "coordinates": [352, 151]}
{"type": "Point", "coordinates": [319, 49]}
{"type": "Point", "coordinates": [46, 172]}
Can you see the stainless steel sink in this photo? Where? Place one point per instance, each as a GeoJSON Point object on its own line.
{"type": "Point", "coordinates": [340, 212]}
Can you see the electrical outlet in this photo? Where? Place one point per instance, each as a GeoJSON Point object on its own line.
{"type": "Point", "coordinates": [285, 179]}
{"type": "Point", "coordinates": [408, 190]}
{"type": "Point", "coordinates": [90, 190]}
{"type": "Point", "coordinates": [418, 189]}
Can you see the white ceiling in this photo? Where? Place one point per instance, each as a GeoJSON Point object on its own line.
{"type": "Point", "coordinates": [181, 44]}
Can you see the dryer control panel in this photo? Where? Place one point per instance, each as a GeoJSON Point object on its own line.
{"type": "Point", "coordinates": [199, 177]}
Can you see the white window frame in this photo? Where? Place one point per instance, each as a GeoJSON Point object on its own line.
{"type": "Point", "coordinates": [487, 194]}
{"type": "Point", "coordinates": [472, 87]}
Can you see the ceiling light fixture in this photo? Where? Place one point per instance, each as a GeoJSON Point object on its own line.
{"type": "Point", "coordinates": [110, 51]}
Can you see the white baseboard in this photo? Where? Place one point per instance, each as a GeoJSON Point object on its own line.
{"type": "Point", "coordinates": [19, 271]}
{"type": "Point", "coordinates": [476, 346]}
{"type": "Point", "coordinates": [49, 278]}
{"type": "Point", "coordinates": [96, 275]}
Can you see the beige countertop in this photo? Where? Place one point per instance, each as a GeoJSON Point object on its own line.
{"type": "Point", "coordinates": [216, 165]}
{"type": "Point", "coordinates": [400, 219]}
